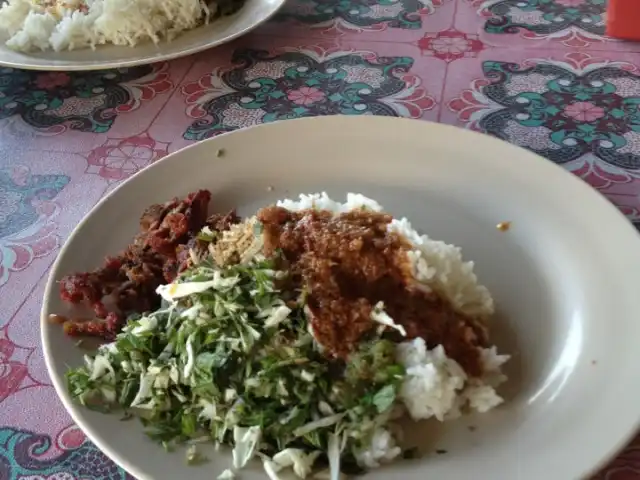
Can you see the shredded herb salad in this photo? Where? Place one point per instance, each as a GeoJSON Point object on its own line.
{"type": "Point", "coordinates": [231, 359]}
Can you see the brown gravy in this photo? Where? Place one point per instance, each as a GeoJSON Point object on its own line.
{"type": "Point", "coordinates": [348, 263]}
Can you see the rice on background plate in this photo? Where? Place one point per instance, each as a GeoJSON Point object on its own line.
{"type": "Point", "coordinates": [33, 25]}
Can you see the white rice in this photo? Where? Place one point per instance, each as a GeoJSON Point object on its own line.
{"type": "Point", "coordinates": [30, 25]}
{"type": "Point", "coordinates": [436, 386]}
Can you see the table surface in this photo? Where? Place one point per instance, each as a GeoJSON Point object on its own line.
{"type": "Point", "coordinates": [537, 73]}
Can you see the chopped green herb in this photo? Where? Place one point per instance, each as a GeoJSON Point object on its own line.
{"type": "Point", "coordinates": [384, 398]}
{"type": "Point", "coordinates": [227, 360]}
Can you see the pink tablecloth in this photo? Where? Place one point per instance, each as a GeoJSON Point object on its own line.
{"type": "Point", "coordinates": [538, 73]}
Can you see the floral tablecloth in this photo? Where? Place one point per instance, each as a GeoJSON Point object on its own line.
{"type": "Point", "coordinates": [538, 73]}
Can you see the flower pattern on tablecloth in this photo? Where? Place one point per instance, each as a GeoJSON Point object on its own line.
{"type": "Point", "coordinates": [27, 213]}
{"type": "Point", "coordinates": [53, 102]}
{"type": "Point", "coordinates": [119, 158]}
{"type": "Point", "coordinates": [12, 369]}
{"type": "Point", "coordinates": [263, 87]}
{"type": "Point", "coordinates": [582, 113]}
{"type": "Point", "coordinates": [70, 438]}
{"type": "Point", "coordinates": [575, 22]}
{"type": "Point", "coordinates": [359, 15]}
{"type": "Point", "coordinates": [450, 45]}
{"type": "Point", "coordinates": [21, 455]}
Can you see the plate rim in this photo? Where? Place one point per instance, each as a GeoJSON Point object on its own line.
{"type": "Point", "coordinates": [539, 163]}
{"type": "Point", "coordinates": [148, 60]}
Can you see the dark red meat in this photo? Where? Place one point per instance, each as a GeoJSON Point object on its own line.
{"type": "Point", "coordinates": [156, 255]}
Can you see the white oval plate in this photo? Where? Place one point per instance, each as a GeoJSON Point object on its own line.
{"type": "Point", "coordinates": [222, 30]}
{"type": "Point", "coordinates": [564, 276]}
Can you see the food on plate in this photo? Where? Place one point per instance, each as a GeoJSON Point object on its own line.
{"type": "Point", "coordinates": [299, 336]}
{"type": "Point", "coordinates": [31, 25]}
{"type": "Point", "coordinates": [128, 281]}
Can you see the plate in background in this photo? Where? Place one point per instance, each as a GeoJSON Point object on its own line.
{"type": "Point", "coordinates": [219, 31]}
{"type": "Point", "coordinates": [564, 278]}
